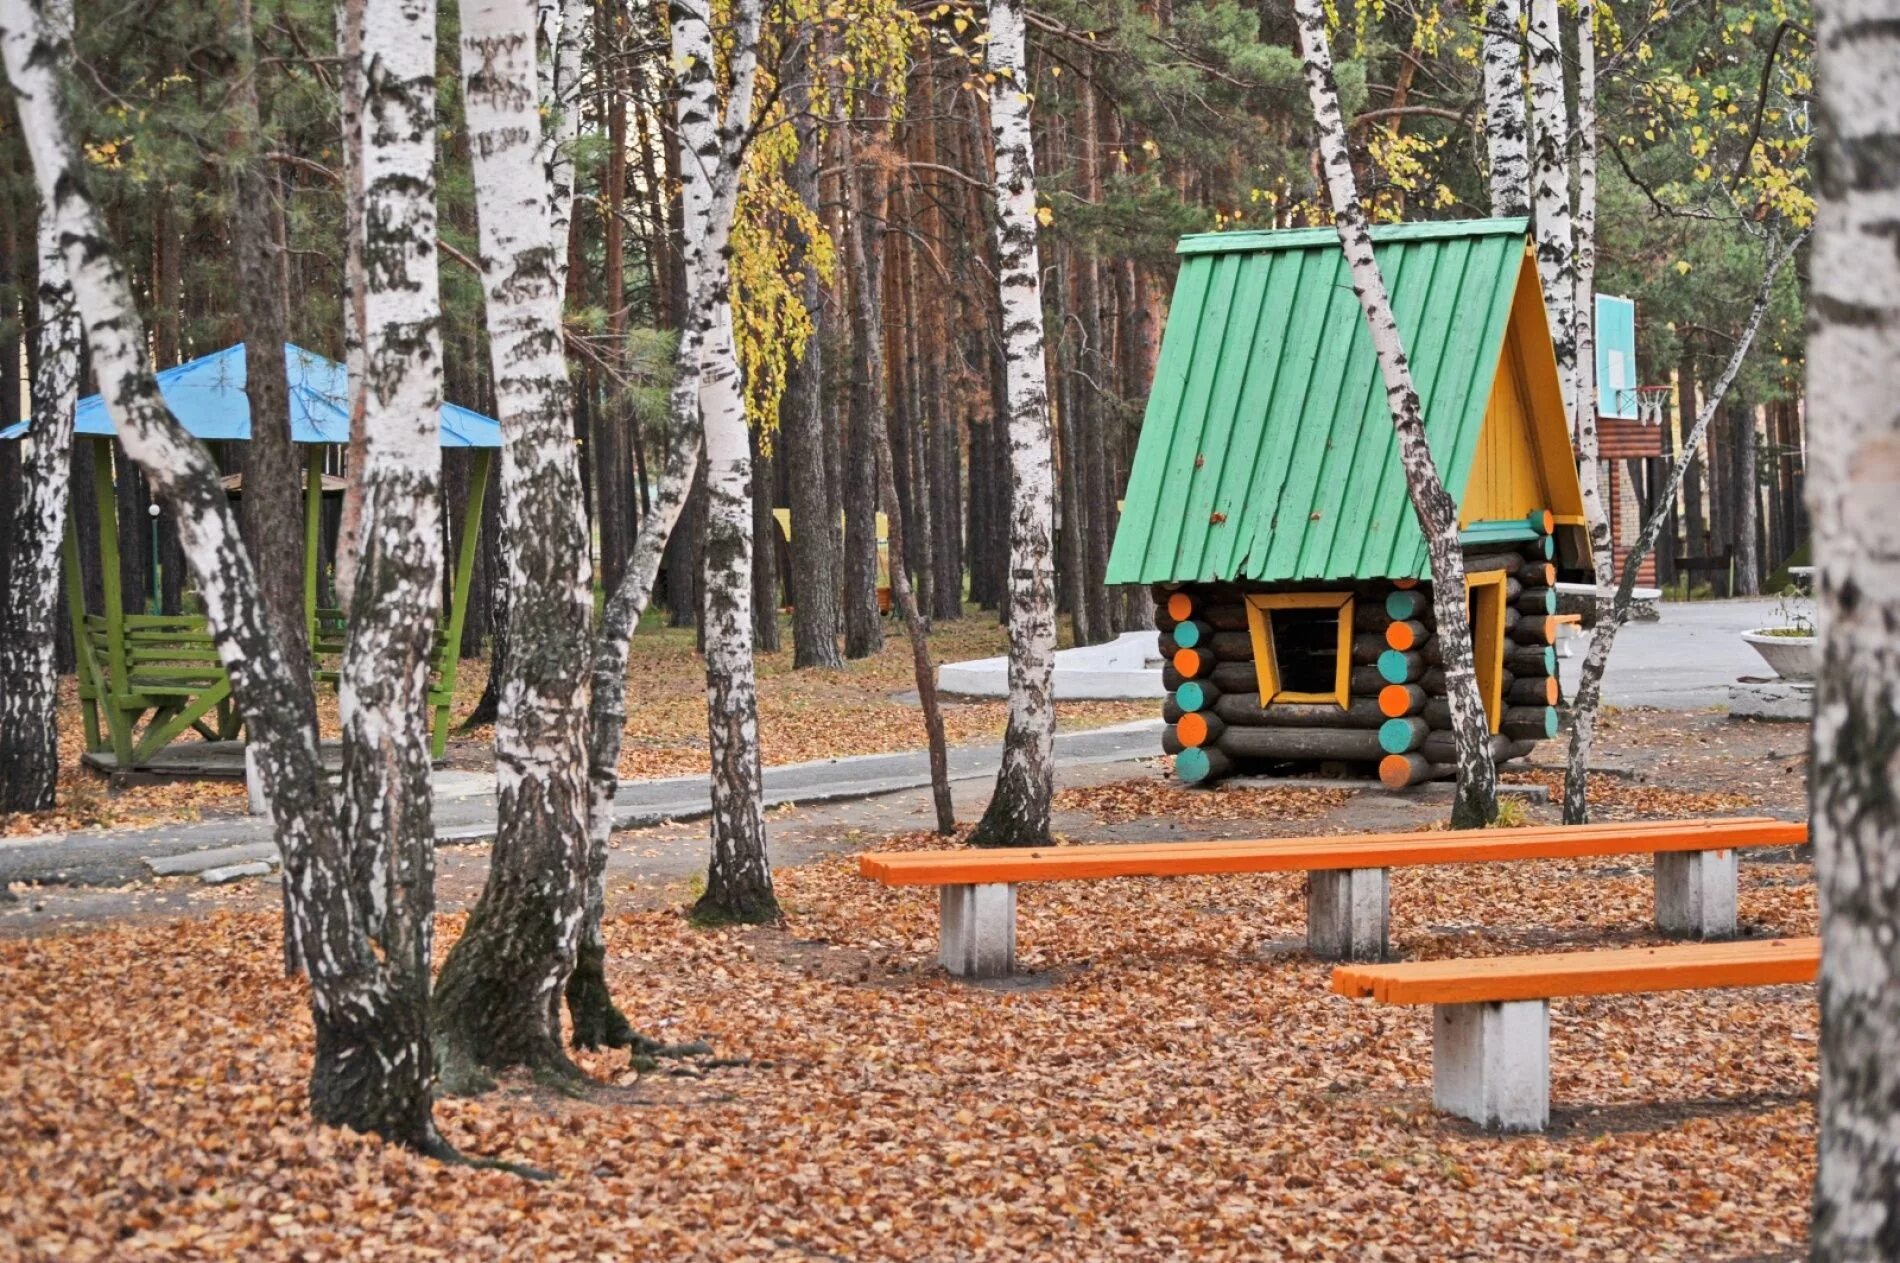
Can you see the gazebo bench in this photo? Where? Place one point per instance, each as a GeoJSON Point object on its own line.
{"type": "Point", "coordinates": [1346, 911]}
{"type": "Point", "coordinates": [1491, 1016]}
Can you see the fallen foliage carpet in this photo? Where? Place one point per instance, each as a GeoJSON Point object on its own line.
{"type": "Point", "coordinates": [1173, 1080]}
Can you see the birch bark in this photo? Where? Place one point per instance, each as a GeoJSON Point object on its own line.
{"type": "Point", "coordinates": [1853, 486]}
{"type": "Point", "coordinates": [499, 1000]}
{"type": "Point", "coordinates": [349, 42]}
{"type": "Point", "coordinates": [1550, 185]}
{"type": "Point", "coordinates": [1475, 805]}
{"type": "Point", "coordinates": [1504, 126]}
{"type": "Point", "coordinates": [1584, 419]}
{"type": "Point", "coordinates": [1018, 811]}
{"type": "Point", "coordinates": [1589, 695]}
{"type": "Point", "coordinates": [361, 928]}
{"type": "Point", "coordinates": [29, 687]}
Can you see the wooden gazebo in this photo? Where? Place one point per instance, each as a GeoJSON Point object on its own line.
{"type": "Point", "coordinates": [162, 670]}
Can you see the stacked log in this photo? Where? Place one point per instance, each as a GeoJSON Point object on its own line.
{"type": "Point", "coordinates": [1529, 683]}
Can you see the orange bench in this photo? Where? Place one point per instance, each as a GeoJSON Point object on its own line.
{"type": "Point", "coordinates": [1491, 1016]}
{"type": "Point", "coordinates": [1695, 876]}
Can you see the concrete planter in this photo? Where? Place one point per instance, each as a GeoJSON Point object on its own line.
{"type": "Point", "coordinates": [1790, 657]}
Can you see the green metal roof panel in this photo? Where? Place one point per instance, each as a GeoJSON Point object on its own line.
{"type": "Point", "coordinates": [1267, 452]}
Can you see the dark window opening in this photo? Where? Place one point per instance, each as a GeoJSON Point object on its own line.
{"type": "Point", "coordinates": [1306, 650]}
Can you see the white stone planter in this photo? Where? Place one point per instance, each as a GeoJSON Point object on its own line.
{"type": "Point", "coordinates": [1790, 657]}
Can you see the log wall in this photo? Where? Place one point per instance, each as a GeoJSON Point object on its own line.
{"type": "Point", "coordinates": [1397, 720]}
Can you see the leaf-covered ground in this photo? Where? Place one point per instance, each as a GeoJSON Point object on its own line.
{"type": "Point", "coordinates": [804, 715]}
{"type": "Point", "coordinates": [1173, 1080]}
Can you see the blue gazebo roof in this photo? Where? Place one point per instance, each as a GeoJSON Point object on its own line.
{"type": "Point", "coordinates": [207, 396]}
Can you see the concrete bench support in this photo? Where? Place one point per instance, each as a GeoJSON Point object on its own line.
{"type": "Point", "coordinates": [1346, 913]}
{"type": "Point", "coordinates": [979, 931]}
{"type": "Point", "coordinates": [1695, 893]}
{"type": "Point", "coordinates": [1491, 1063]}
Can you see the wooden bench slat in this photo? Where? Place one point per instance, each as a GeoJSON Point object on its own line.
{"type": "Point", "coordinates": [1624, 971]}
{"type": "Point", "coordinates": [979, 867]}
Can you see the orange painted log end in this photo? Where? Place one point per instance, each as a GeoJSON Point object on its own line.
{"type": "Point", "coordinates": [1395, 771]}
{"type": "Point", "coordinates": [1396, 700]}
{"type": "Point", "coordinates": [1180, 607]}
{"type": "Point", "coordinates": [1187, 662]}
{"type": "Point", "coordinates": [1550, 690]}
{"type": "Point", "coordinates": [1405, 585]}
{"type": "Point", "coordinates": [1399, 636]}
{"type": "Point", "coordinates": [1192, 729]}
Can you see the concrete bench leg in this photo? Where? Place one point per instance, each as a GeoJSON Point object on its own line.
{"type": "Point", "coordinates": [979, 930]}
{"type": "Point", "coordinates": [1695, 893]}
{"type": "Point", "coordinates": [1491, 1063]}
{"type": "Point", "coordinates": [1346, 913]}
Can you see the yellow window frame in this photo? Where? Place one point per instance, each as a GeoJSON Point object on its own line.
{"type": "Point", "coordinates": [1266, 662]}
{"type": "Point", "coordinates": [1485, 592]}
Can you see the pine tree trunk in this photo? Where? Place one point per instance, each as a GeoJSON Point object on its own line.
{"type": "Point", "coordinates": [863, 627]}
{"type": "Point", "coordinates": [498, 1003]}
{"type": "Point", "coordinates": [35, 525]}
{"type": "Point", "coordinates": [1504, 126]}
{"type": "Point", "coordinates": [765, 594]}
{"type": "Point", "coordinates": [1854, 446]}
{"type": "Point", "coordinates": [1747, 503]}
{"type": "Point", "coordinates": [814, 578]}
{"type": "Point", "coordinates": [1018, 811]}
{"type": "Point", "coordinates": [1475, 805]}
{"type": "Point", "coordinates": [1550, 184]}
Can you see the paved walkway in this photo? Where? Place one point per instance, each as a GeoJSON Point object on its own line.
{"type": "Point", "coordinates": [1686, 661]}
{"type": "Point", "coordinates": [465, 810]}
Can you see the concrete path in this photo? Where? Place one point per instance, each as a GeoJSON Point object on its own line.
{"type": "Point", "coordinates": [465, 811]}
{"type": "Point", "coordinates": [1684, 662]}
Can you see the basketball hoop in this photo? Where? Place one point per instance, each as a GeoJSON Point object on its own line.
{"type": "Point", "coordinates": [1652, 404]}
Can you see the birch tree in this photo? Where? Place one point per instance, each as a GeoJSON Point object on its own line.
{"type": "Point", "coordinates": [1613, 611]}
{"type": "Point", "coordinates": [1018, 811]}
{"type": "Point", "coordinates": [361, 872]}
{"type": "Point", "coordinates": [739, 878]}
{"type": "Point", "coordinates": [499, 1000]}
{"type": "Point", "coordinates": [36, 524]}
{"type": "Point", "coordinates": [1505, 134]}
{"type": "Point", "coordinates": [1550, 190]}
{"type": "Point", "coordinates": [1475, 804]}
{"type": "Point", "coordinates": [1853, 487]}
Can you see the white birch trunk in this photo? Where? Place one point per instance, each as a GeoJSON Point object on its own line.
{"type": "Point", "coordinates": [29, 685]}
{"type": "Point", "coordinates": [1476, 803]}
{"type": "Point", "coordinates": [1505, 132]}
{"type": "Point", "coordinates": [739, 877]}
{"type": "Point", "coordinates": [562, 27]}
{"type": "Point", "coordinates": [1584, 420]}
{"type": "Point", "coordinates": [1853, 490]}
{"type": "Point", "coordinates": [498, 1003]}
{"type": "Point", "coordinates": [349, 42]}
{"type": "Point", "coordinates": [360, 921]}
{"type": "Point", "coordinates": [1550, 190]}
{"type": "Point", "coordinates": [1018, 812]}
{"type": "Point", "coordinates": [1587, 700]}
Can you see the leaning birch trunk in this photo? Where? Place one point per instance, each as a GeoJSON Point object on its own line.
{"type": "Point", "coordinates": [1504, 125]}
{"type": "Point", "coordinates": [1585, 703]}
{"type": "Point", "coordinates": [1853, 486]}
{"type": "Point", "coordinates": [29, 685]}
{"type": "Point", "coordinates": [498, 1004]}
{"type": "Point", "coordinates": [558, 84]}
{"type": "Point", "coordinates": [739, 878]}
{"type": "Point", "coordinates": [1018, 812]}
{"type": "Point", "coordinates": [363, 901]}
{"type": "Point", "coordinates": [1475, 805]}
{"type": "Point", "coordinates": [1584, 419]}
{"type": "Point", "coordinates": [1550, 190]}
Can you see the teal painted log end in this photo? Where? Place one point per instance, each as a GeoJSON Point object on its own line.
{"type": "Point", "coordinates": [1535, 520]}
{"type": "Point", "coordinates": [1550, 661]}
{"type": "Point", "coordinates": [1550, 722]}
{"type": "Point", "coordinates": [1550, 547]}
{"type": "Point", "coordinates": [1397, 736]}
{"type": "Point", "coordinates": [1392, 667]}
{"type": "Point", "coordinates": [1403, 604]}
{"type": "Point", "coordinates": [1187, 635]}
{"type": "Point", "coordinates": [1550, 601]}
{"type": "Point", "coordinates": [1191, 765]}
{"type": "Point", "coordinates": [1191, 696]}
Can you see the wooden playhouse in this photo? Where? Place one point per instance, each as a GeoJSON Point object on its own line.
{"type": "Point", "coordinates": [1267, 508]}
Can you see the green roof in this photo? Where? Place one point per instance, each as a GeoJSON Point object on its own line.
{"type": "Point", "coordinates": [1267, 452]}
